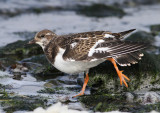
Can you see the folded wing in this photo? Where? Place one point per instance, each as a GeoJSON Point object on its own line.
{"type": "Point", "coordinates": [103, 45]}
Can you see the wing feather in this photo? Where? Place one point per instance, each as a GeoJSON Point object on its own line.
{"type": "Point", "coordinates": [91, 46]}
{"type": "Point", "coordinates": [128, 59]}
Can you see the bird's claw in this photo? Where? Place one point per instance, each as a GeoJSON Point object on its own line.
{"type": "Point", "coordinates": [122, 78]}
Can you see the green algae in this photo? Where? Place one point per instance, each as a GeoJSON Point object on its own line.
{"type": "Point", "coordinates": [113, 102]}
{"type": "Point", "coordinates": [51, 90]}
{"type": "Point", "coordinates": [47, 90]}
{"type": "Point", "coordinates": [155, 28]}
{"type": "Point", "coordinates": [11, 102]}
{"type": "Point", "coordinates": [16, 103]}
{"type": "Point", "coordinates": [20, 49]}
{"type": "Point", "coordinates": [105, 102]}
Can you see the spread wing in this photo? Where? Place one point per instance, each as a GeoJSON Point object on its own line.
{"type": "Point", "coordinates": [103, 45]}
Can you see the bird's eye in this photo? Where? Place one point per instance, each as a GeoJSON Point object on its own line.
{"type": "Point", "coordinates": [42, 36]}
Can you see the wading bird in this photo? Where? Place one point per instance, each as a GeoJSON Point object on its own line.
{"type": "Point", "coordinates": [75, 53]}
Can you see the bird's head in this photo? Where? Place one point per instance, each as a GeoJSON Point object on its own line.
{"type": "Point", "coordinates": [43, 38]}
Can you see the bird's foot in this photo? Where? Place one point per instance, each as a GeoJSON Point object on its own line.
{"type": "Point", "coordinates": [84, 86]}
{"type": "Point", "coordinates": [122, 78]}
{"type": "Point", "coordinates": [80, 94]}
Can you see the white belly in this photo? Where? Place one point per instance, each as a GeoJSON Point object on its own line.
{"type": "Point", "coordinates": [73, 67]}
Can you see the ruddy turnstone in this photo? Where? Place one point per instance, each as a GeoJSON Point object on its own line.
{"type": "Point", "coordinates": [79, 52]}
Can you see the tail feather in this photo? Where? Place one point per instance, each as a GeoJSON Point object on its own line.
{"type": "Point", "coordinates": [128, 59]}
{"type": "Point", "coordinates": [121, 35]}
{"type": "Point", "coordinates": [124, 33]}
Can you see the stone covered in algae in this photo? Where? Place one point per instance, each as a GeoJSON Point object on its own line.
{"type": "Point", "coordinates": [155, 28]}
{"type": "Point", "coordinates": [117, 102]}
{"type": "Point", "coordinates": [11, 103]}
{"type": "Point", "coordinates": [100, 10]}
{"type": "Point", "coordinates": [20, 49]}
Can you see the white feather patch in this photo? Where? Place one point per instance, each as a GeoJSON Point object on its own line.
{"type": "Point", "coordinates": [84, 38]}
{"type": "Point", "coordinates": [141, 54]}
{"type": "Point", "coordinates": [92, 50]}
{"type": "Point", "coordinates": [104, 49]}
{"type": "Point", "coordinates": [61, 52]}
{"type": "Point", "coordinates": [108, 36]}
{"type": "Point", "coordinates": [94, 59]}
{"type": "Point", "coordinates": [41, 44]}
{"type": "Point", "coordinates": [74, 44]}
{"type": "Point", "coordinates": [48, 33]}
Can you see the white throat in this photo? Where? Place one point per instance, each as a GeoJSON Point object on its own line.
{"type": "Point", "coordinates": [41, 44]}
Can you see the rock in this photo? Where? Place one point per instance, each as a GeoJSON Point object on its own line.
{"type": "Point", "coordinates": [7, 61]}
{"type": "Point", "coordinates": [68, 82]}
{"type": "Point", "coordinates": [37, 10]}
{"type": "Point", "coordinates": [52, 83]}
{"type": "Point", "coordinates": [17, 77]}
{"type": "Point", "coordinates": [53, 90]}
{"type": "Point", "coordinates": [100, 10]}
{"type": "Point", "coordinates": [47, 90]}
{"type": "Point", "coordinates": [68, 79]}
{"type": "Point", "coordinates": [39, 59]}
{"type": "Point", "coordinates": [34, 68]}
{"type": "Point", "coordinates": [151, 98]}
{"type": "Point", "coordinates": [80, 81]}
{"type": "Point", "coordinates": [134, 3]}
{"type": "Point", "coordinates": [2, 67]}
{"type": "Point", "coordinates": [103, 103]}
{"type": "Point", "coordinates": [141, 36]}
{"type": "Point", "coordinates": [48, 85]}
{"type": "Point", "coordinates": [15, 68]}
{"type": "Point", "coordinates": [19, 50]}
{"type": "Point", "coordinates": [124, 102]}
{"type": "Point", "coordinates": [39, 65]}
{"type": "Point", "coordinates": [98, 106]}
{"type": "Point", "coordinates": [18, 69]}
{"type": "Point", "coordinates": [146, 2]}
{"type": "Point", "coordinates": [129, 97]}
{"type": "Point", "coordinates": [155, 28]}
{"type": "Point", "coordinates": [21, 103]}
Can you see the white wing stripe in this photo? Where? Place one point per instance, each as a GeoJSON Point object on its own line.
{"type": "Point", "coordinates": [92, 50]}
{"type": "Point", "coordinates": [104, 49]}
{"type": "Point", "coordinates": [108, 36]}
{"type": "Point", "coordinates": [74, 44]}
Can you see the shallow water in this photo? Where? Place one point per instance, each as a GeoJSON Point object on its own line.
{"type": "Point", "coordinates": [62, 22]}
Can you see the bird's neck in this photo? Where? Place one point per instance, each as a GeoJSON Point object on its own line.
{"type": "Point", "coordinates": [51, 51]}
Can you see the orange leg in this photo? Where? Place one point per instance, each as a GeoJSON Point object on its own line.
{"type": "Point", "coordinates": [84, 86]}
{"type": "Point", "coordinates": [122, 77]}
